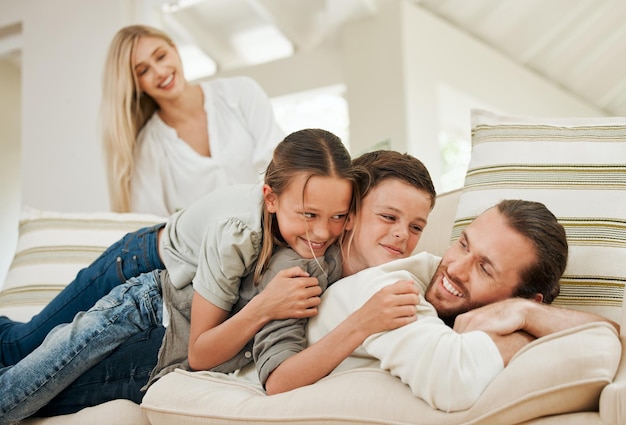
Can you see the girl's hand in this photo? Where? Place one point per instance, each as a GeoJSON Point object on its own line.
{"type": "Point", "coordinates": [215, 337]}
{"type": "Point", "coordinates": [291, 294]}
{"type": "Point", "coordinates": [391, 307]}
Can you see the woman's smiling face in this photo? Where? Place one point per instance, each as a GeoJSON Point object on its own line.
{"type": "Point", "coordinates": [158, 68]}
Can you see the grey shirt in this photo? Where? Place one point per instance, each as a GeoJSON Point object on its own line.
{"type": "Point", "coordinates": [280, 339]}
{"type": "Point", "coordinates": [276, 342]}
{"type": "Point", "coordinates": [214, 242]}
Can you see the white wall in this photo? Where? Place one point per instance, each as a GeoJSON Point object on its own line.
{"type": "Point", "coordinates": [10, 127]}
{"type": "Point", "coordinates": [65, 42]}
{"type": "Point", "coordinates": [375, 72]}
{"type": "Point", "coordinates": [50, 156]}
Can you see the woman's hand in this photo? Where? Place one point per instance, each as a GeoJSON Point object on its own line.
{"type": "Point", "coordinates": [391, 307]}
{"type": "Point", "coordinates": [291, 294]}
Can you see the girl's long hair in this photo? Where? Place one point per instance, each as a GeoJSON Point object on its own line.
{"type": "Point", "coordinates": [313, 151]}
{"type": "Point", "coordinates": [124, 110]}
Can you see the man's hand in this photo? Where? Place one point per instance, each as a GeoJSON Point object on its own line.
{"type": "Point", "coordinates": [514, 322]}
{"type": "Point", "coordinates": [504, 321]}
{"type": "Point", "coordinates": [500, 318]}
{"type": "Point", "coordinates": [521, 314]}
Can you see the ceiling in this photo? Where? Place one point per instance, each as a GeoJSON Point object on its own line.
{"type": "Point", "coordinates": [578, 44]}
{"type": "Point", "coordinates": [236, 33]}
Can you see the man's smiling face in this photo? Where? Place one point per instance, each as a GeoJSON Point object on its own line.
{"type": "Point", "coordinates": [483, 266]}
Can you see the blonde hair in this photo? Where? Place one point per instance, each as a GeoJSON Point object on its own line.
{"type": "Point", "coordinates": [124, 110]}
{"type": "Point", "coordinates": [313, 151]}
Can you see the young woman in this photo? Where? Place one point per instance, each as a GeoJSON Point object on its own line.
{"type": "Point", "coordinates": [162, 134]}
{"type": "Point", "coordinates": [310, 192]}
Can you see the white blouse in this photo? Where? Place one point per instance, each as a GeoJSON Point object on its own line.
{"type": "Point", "coordinates": [170, 175]}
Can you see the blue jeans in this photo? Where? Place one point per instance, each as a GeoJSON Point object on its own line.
{"type": "Point", "coordinates": [121, 375]}
{"type": "Point", "coordinates": [135, 253]}
{"type": "Point", "coordinates": [70, 350]}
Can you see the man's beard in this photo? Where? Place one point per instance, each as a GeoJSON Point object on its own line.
{"type": "Point", "coordinates": [448, 315]}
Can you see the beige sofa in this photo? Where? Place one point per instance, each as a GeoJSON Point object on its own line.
{"type": "Point", "coordinates": [364, 396]}
{"type": "Point", "coordinates": [576, 167]}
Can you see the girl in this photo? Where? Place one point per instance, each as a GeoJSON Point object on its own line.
{"type": "Point", "coordinates": [300, 215]}
{"type": "Point", "coordinates": [304, 205]}
{"type": "Point", "coordinates": [162, 134]}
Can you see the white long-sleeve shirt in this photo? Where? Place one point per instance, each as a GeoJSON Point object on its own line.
{"type": "Point", "coordinates": [446, 369]}
{"type": "Point", "coordinates": [169, 175]}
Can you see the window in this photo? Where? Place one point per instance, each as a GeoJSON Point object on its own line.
{"type": "Point", "coordinates": [324, 108]}
{"type": "Point", "coordinates": [455, 138]}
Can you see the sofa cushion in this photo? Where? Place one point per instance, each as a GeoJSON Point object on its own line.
{"type": "Point", "coordinates": [118, 412]}
{"type": "Point", "coordinates": [52, 247]}
{"type": "Point", "coordinates": [537, 382]}
{"type": "Point", "coordinates": [577, 168]}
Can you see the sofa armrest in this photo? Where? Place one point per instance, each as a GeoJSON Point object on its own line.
{"type": "Point", "coordinates": [436, 236]}
{"type": "Point", "coordinates": [613, 396]}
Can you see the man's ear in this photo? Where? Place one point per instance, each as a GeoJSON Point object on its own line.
{"type": "Point", "coordinates": [270, 198]}
{"type": "Point", "coordinates": [538, 298]}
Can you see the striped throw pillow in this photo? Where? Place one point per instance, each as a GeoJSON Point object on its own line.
{"type": "Point", "coordinates": [52, 247]}
{"type": "Point", "coordinates": [577, 168]}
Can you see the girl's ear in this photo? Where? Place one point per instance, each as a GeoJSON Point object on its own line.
{"type": "Point", "coordinates": [270, 198]}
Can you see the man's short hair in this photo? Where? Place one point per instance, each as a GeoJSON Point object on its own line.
{"type": "Point", "coordinates": [537, 223]}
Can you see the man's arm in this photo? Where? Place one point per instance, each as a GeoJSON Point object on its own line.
{"type": "Point", "coordinates": [511, 322]}
{"type": "Point", "coordinates": [510, 344]}
{"type": "Point", "coordinates": [446, 369]}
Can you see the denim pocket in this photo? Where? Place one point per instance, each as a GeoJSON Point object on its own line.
{"type": "Point", "coordinates": [128, 267]}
